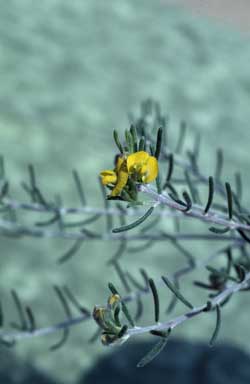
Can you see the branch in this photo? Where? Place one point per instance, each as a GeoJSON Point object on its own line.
{"type": "Point", "coordinates": [9, 228]}
{"type": "Point", "coordinates": [219, 299]}
{"type": "Point", "coordinates": [196, 211]}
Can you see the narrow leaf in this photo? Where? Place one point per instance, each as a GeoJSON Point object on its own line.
{"type": "Point", "coordinates": [219, 231]}
{"type": "Point", "coordinates": [217, 326]}
{"type": "Point", "coordinates": [135, 223]}
{"type": "Point", "coordinates": [241, 272]}
{"type": "Point", "coordinates": [48, 222]}
{"type": "Point", "coordinates": [123, 305]}
{"type": "Point", "coordinates": [210, 194]}
{"type": "Point", "coordinates": [219, 164]}
{"type": "Point", "coordinates": [75, 302]}
{"type": "Point", "coordinates": [122, 276]}
{"type": "Point", "coordinates": [154, 351]}
{"type": "Point", "coordinates": [129, 141]}
{"type": "Point", "coordinates": [142, 144]}
{"type": "Point", "coordinates": [134, 137]}
{"type": "Point", "coordinates": [4, 190]}
{"type": "Point", "coordinates": [238, 183]}
{"type": "Point", "coordinates": [31, 319]}
{"type": "Point", "coordinates": [243, 235]}
{"type": "Point", "coordinates": [229, 200]}
{"type": "Point", "coordinates": [67, 311]}
{"type": "Point", "coordinates": [20, 310]}
{"type": "Point", "coordinates": [2, 167]}
{"type": "Point", "coordinates": [79, 187]}
{"type": "Point", "coordinates": [117, 141]}
{"type": "Point", "coordinates": [188, 201]}
{"type": "Point", "coordinates": [156, 299]}
{"type": "Point", "coordinates": [176, 292]}
{"type": "Point", "coordinates": [158, 143]}
{"type": "Point", "coordinates": [71, 251]}
{"type": "Point", "coordinates": [181, 138]}
{"type": "Point", "coordinates": [122, 331]}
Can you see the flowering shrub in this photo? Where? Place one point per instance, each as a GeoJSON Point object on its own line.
{"type": "Point", "coordinates": [144, 167]}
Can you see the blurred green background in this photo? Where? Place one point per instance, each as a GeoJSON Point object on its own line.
{"type": "Point", "coordinates": [70, 71]}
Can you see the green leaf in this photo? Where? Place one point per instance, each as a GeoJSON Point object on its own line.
{"type": "Point", "coordinates": [243, 235]}
{"type": "Point", "coordinates": [122, 331]}
{"type": "Point", "coordinates": [217, 326]}
{"type": "Point", "coordinates": [238, 182]}
{"type": "Point", "coordinates": [117, 141]}
{"type": "Point", "coordinates": [219, 164]}
{"type": "Point", "coordinates": [123, 305]}
{"type": "Point", "coordinates": [210, 194]}
{"type": "Point", "coordinates": [134, 137]}
{"type": "Point", "coordinates": [79, 187]}
{"type": "Point", "coordinates": [135, 223]}
{"type": "Point", "coordinates": [129, 141]}
{"type": "Point", "coordinates": [71, 251]}
{"type": "Point", "coordinates": [181, 138]}
{"type": "Point", "coordinates": [158, 143]}
{"type": "Point", "coordinates": [4, 190]}
{"type": "Point", "coordinates": [219, 231]}
{"type": "Point", "coordinates": [2, 167]}
{"type": "Point", "coordinates": [229, 200]}
{"type": "Point", "coordinates": [142, 144]}
{"type": "Point", "coordinates": [156, 299]}
{"type": "Point", "coordinates": [188, 201]}
{"type": "Point", "coordinates": [154, 351]}
{"type": "Point", "coordinates": [176, 292]}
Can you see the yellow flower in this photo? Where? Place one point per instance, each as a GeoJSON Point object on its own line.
{"type": "Point", "coordinates": [113, 300]}
{"type": "Point", "coordinates": [118, 177]}
{"type": "Point", "coordinates": [139, 166]}
{"type": "Point", "coordinates": [143, 166]}
{"type": "Point", "coordinates": [108, 177]}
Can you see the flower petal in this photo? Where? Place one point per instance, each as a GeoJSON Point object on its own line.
{"type": "Point", "coordinates": [119, 163]}
{"type": "Point", "coordinates": [108, 177]}
{"type": "Point", "coordinates": [122, 178]}
{"type": "Point", "coordinates": [152, 170]}
{"type": "Point", "coordinates": [137, 160]}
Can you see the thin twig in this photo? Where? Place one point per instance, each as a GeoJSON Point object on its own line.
{"type": "Point", "coordinates": [217, 300]}
{"type": "Point", "coordinates": [196, 211]}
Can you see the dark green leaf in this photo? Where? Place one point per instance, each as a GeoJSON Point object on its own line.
{"type": "Point", "coordinates": [142, 144]}
{"type": "Point", "coordinates": [217, 326]}
{"type": "Point", "coordinates": [210, 194]}
{"type": "Point", "coordinates": [176, 292]}
{"type": "Point", "coordinates": [219, 164]}
{"type": "Point", "coordinates": [79, 187]}
{"type": "Point", "coordinates": [129, 141]}
{"type": "Point", "coordinates": [71, 251]}
{"type": "Point", "coordinates": [123, 305]}
{"type": "Point", "coordinates": [182, 133]}
{"type": "Point", "coordinates": [219, 231]}
{"type": "Point", "coordinates": [135, 223]}
{"type": "Point", "coordinates": [117, 141]}
{"type": "Point", "coordinates": [188, 201]}
{"type": "Point", "coordinates": [156, 299]}
{"type": "Point", "coordinates": [134, 137]}
{"type": "Point", "coordinates": [229, 200]}
{"type": "Point", "coordinates": [154, 351]}
{"type": "Point", "coordinates": [158, 143]}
